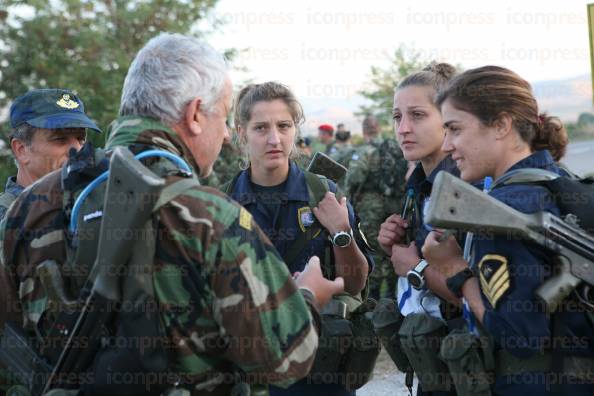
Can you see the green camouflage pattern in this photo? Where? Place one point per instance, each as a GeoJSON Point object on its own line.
{"type": "Point", "coordinates": [302, 159]}
{"type": "Point", "coordinates": [370, 173]}
{"type": "Point", "coordinates": [11, 192]}
{"type": "Point", "coordinates": [226, 298]}
{"type": "Point", "coordinates": [317, 145]}
{"type": "Point", "coordinates": [227, 165]}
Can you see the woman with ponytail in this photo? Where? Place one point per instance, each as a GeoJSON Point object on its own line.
{"type": "Point", "coordinates": [493, 127]}
{"type": "Point", "coordinates": [419, 130]}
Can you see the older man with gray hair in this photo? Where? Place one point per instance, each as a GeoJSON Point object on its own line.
{"type": "Point", "coordinates": [223, 300]}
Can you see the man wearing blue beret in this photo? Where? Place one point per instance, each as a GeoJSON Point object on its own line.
{"type": "Point", "coordinates": [46, 124]}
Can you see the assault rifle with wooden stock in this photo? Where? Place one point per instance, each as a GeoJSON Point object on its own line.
{"type": "Point", "coordinates": [456, 204]}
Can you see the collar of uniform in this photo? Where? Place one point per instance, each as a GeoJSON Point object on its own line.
{"type": "Point", "coordinates": [129, 130]}
{"type": "Point", "coordinates": [448, 165]}
{"type": "Point", "coordinates": [295, 187]}
{"type": "Point", "coordinates": [419, 181]}
{"type": "Point", "coordinates": [13, 187]}
{"type": "Point", "coordinates": [539, 159]}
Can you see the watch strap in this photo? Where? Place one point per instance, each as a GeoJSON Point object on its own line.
{"type": "Point", "coordinates": [455, 283]}
{"type": "Point", "coordinates": [421, 267]}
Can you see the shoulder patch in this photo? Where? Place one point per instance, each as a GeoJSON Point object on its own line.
{"type": "Point", "coordinates": [305, 217]}
{"type": "Point", "coordinates": [494, 277]}
{"type": "Point", "coordinates": [355, 157]}
{"type": "Point", "coordinates": [245, 219]}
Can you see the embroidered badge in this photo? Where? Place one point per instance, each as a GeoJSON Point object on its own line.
{"type": "Point", "coordinates": [305, 217]}
{"type": "Point", "coordinates": [66, 103]}
{"type": "Point", "coordinates": [245, 219]}
{"type": "Point", "coordinates": [494, 277]}
{"type": "Point", "coordinates": [355, 157]}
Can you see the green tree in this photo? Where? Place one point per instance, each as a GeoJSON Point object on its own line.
{"type": "Point", "coordinates": [83, 45]}
{"type": "Point", "coordinates": [379, 90]}
{"type": "Point", "coordinates": [585, 119]}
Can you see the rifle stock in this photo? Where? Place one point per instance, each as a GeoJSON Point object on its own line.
{"type": "Point", "coordinates": [326, 166]}
{"type": "Point", "coordinates": [459, 205]}
{"type": "Point", "coordinates": [131, 193]}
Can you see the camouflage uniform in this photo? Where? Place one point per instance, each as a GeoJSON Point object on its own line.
{"type": "Point", "coordinates": [366, 187]}
{"type": "Point", "coordinates": [317, 145]}
{"type": "Point", "coordinates": [225, 297]}
{"type": "Point", "coordinates": [211, 180]}
{"type": "Point", "coordinates": [302, 159]}
{"type": "Point", "coordinates": [11, 192]}
{"type": "Point", "coordinates": [224, 168]}
{"type": "Point", "coordinates": [227, 165]}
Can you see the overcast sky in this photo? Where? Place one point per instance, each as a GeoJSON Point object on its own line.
{"type": "Point", "coordinates": [324, 49]}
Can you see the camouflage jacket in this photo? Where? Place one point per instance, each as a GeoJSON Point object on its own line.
{"type": "Point", "coordinates": [11, 192]}
{"type": "Point", "coordinates": [227, 165]}
{"type": "Point", "coordinates": [225, 297]}
{"type": "Point", "coordinates": [364, 185]}
{"type": "Point", "coordinates": [368, 172]}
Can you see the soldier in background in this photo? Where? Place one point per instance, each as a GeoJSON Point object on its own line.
{"type": "Point", "coordinates": [342, 151]}
{"type": "Point", "coordinates": [46, 124]}
{"type": "Point", "coordinates": [375, 183]}
{"type": "Point", "coordinates": [325, 140]}
{"type": "Point", "coordinates": [341, 144]}
{"type": "Point", "coordinates": [303, 151]}
{"type": "Point", "coordinates": [226, 165]}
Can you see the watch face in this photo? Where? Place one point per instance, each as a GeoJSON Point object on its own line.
{"type": "Point", "coordinates": [414, 279]}
{"type": "Point", "coordinates": [342, 240]}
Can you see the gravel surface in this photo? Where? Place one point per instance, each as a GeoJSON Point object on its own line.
{"type": "Point", "coordinates": [387, 380]}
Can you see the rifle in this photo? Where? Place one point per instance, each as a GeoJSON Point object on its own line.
{"type": "Point", "coordinates": [457, 204]}
{"type": "Point", "coordinates": [76, 335]}
{"type": "Point", "coordinates": [326, 166]}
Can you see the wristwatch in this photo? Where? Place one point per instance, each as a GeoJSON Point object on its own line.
{"type": "Point", "coordinates": [342, 238]}
{"type": "Point", "coordinates": [415, 276]}
{"type": "Point", "coordinates": [455, 283]}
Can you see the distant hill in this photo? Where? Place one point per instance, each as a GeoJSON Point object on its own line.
{"type": "Point", "coordinates": [565, 99]}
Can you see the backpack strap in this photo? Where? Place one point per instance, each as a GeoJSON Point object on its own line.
{"type": "Point", "coordinates": [317, 187]}
{"type": "Point", "coordinates": [525, 176]}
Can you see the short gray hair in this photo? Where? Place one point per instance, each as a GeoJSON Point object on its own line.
{"type": "Point", "coordinates": [169, 72]}
{"type": "Point", "coordinates": [24, 133]}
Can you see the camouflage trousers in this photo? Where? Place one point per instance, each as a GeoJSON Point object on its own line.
{"type": "Point", "coordinates": [382, 280]}
{"type": "Point", "coordinates": [371, 210]}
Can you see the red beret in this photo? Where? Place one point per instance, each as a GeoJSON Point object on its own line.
{"type": "Point", "coordinates": [326, 128]}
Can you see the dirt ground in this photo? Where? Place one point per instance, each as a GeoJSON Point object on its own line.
{"type": "Point", "coordinates": [387, 380]}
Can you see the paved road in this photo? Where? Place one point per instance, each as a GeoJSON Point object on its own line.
{"type": "Point", "coordinates": [387, 381]}
{"type": "Point", "coordinates": [580, 157]}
